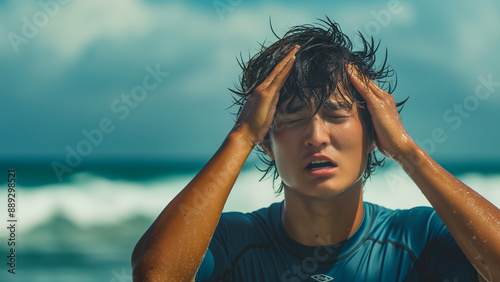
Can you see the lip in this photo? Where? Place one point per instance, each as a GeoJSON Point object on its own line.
{"type": "Point", "coordinates": [320, 172]}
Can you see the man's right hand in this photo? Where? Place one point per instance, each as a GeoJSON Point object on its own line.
{"type": "Point", "coordinates": [258, 112]}
{"type": "Point", "coordinates": [183, 230]}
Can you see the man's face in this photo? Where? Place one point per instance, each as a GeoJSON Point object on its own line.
{"type": "Point", "coordinates": [321, 155]}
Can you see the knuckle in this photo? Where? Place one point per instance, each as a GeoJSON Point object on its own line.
{"type": "Point", "coordinates": [391, 101]}
{"type": "Point", "coordinates": [259, 88]}
{"type": "Point", "coordinates": [388, 99]}
{"type": "Point", "coordinates": [259, 94]}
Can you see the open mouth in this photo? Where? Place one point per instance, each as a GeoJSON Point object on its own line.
{"type": "Point", "coordinates": [317, 165]}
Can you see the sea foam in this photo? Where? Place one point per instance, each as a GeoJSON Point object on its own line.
{"type": "Point", "coordinates": [91, 201]}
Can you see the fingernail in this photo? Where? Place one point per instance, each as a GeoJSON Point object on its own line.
{"type": "Point", "coordinates": [296, 46]}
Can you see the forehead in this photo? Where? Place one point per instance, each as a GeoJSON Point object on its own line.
{"type": "Point", "coordinates": [335, 101]}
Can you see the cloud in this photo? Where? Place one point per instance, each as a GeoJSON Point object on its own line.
{"type": "Point", "coordinates": [88, 53]}
{"type": "Point", "coordinates": [64, 79]}
{"type": "Point", "coordinates": [458, 38]}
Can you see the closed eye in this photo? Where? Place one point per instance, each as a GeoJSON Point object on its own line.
{"type": "Point", "coordinates": [290, 122]}
{"type": "Point", "coordinates": [337, 117]}
{"type": "Point", "coordinates": [337, 114]}
{"type": "Point", "coordinates": [289, 118]}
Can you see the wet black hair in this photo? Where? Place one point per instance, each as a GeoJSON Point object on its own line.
{"type": "Point", "coordinates": [320, 62]}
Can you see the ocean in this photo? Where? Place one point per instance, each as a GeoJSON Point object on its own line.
{"type": "Point", "coordinates": [85, 227]}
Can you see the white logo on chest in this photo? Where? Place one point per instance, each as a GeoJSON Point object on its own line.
{"type": "Point", "coordinates": [321, 277]}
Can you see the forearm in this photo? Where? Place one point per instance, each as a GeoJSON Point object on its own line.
{"type": "Point", "coordinates": [174, 245]}
{"type": "Point", "coordinates": [472, 220]}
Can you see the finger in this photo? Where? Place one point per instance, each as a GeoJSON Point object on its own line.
{"type": "Point", "coordinates": [375, 89]}
{"type": "Point", "coordinates": [281, 77]}
{"type": "Point", "coordinates": [360, 85]}
{"type": "Point", "coordinates": [279, 67]}
{"type": "Point", "coordinates": [379, 92]}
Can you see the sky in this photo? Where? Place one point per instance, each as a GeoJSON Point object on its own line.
{"type": "Point", "coordinates": [128, 80]}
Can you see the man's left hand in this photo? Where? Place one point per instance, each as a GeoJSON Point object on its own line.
{"type": "Point", "coordinates": [391, 137]}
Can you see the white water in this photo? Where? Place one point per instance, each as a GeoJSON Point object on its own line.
{"type": "Point", "coordinates": [90, 201]}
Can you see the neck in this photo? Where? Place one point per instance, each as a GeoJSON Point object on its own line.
{"type": "Point", "coordinates": [315, 221]}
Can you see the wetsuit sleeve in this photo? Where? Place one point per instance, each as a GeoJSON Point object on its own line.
{"type": "Point", "coordinates": [217, 258]}
{"type": "Point", "coordinates": [443, 259]}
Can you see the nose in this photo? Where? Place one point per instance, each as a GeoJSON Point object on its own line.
{"type": "Point", "coordinates": [316, 133]}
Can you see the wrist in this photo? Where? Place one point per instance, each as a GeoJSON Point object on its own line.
{"type": "Point", "coordinates": [411, 157]}
{"type": "Point", "coordinates": [241, 135]}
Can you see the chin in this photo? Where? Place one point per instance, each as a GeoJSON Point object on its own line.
{"type": "Point", "coordinates": [335, 187]}
{"type": "Point", "coordinates": [322, 191]}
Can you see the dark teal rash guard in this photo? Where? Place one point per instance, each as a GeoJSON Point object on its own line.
{"type": "Point", "coordinates": [389, 245]}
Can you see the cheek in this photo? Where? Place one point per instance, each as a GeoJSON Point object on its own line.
{"type": "Point", "coordinates": [348, 136]}
{"type": "Point", "coordinates": [351, 141]}
{"type": "Point", "coordinates": [363, 148]}
{"type": "Point", "coordinates": [285, 153]}
{"type": "Point", "coordinates": [281, 142]}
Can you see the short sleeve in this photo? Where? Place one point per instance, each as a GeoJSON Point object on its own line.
{"type": "Point", "coordinates": [207, 267]}
{"type": "Point", "coordinates": [442, 258]}
{"type": "Point", "coordinates": [217, 258]}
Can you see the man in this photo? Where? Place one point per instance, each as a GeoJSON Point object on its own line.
{"type": "Point", "coordinates": [310, 102]}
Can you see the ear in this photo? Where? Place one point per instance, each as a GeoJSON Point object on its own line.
{"type": "Point", "coordinates": [265, 145]}
{"type": "Point", "coordinates": [372, 146]}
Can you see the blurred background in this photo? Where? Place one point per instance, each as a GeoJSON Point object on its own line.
{"type": "Point", "coordinates": [110, 108]}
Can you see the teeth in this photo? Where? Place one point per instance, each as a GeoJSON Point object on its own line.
{"type": "Point", "coordinates": [319, 162]}
{"type": "Point", "coordinates": [316, 168]}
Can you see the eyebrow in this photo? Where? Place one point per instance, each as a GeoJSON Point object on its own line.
{"type": "Point", "coordinates": [336, 106]}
